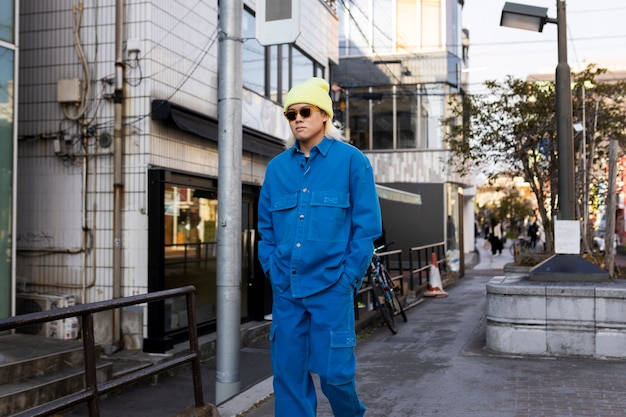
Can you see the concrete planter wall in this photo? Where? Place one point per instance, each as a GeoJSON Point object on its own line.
{"type": "Point", "coordinates": [556, 318]}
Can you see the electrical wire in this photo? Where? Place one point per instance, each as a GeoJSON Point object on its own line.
{"type": "Point", "coordinates": [190, 71]}
{"type": "Point", "coordinates": [169, 32]}
{"type": "Point", "coordinates": [77, 13]}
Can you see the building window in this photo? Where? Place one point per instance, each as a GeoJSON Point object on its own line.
{"type": "Point", "coordinates": [7, 27]}
{"type": "Point", "coordinates": [302, 66]}
{"type": "Point", "coordinates": [271, 70]}
{"type": "Point", "coordinates": [390, 117]}
{"type": "Point", "coordinates": [6, 173]}
{"type": "Point", "coordinates": [253, 57]}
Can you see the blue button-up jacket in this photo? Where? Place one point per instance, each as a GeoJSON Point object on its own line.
{"type": "Point", "coordinates": [318, 218]}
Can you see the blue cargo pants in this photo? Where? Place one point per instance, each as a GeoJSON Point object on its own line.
{"type": "Point", "coordinates": [315, 334]}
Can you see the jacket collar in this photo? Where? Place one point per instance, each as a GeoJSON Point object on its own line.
{"type": "Point", "coordinates": [323, 147]}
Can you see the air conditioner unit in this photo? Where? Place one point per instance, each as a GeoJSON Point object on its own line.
{"type": "Point", "coordinates": [32, 302]}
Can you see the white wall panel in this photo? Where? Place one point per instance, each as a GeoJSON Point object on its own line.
{"type": "Point", "coordinates": [319, 32]}
{"type": "Point", "coordinates": [412, 167]}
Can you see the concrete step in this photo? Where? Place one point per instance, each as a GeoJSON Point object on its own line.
{"type": "Point", "coordinates": [36, 369]}
{"type": "Point", "coordinates": [27, 356]}
{"type": "Point", "coordinates": [18, 397]}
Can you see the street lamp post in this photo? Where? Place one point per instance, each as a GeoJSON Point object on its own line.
{"type": "Point", "coordinates": [533, 18]}
{"type": "Point", "coordinates": [567, 264]}
{"type": "Point", "coordinates": [564, 126]}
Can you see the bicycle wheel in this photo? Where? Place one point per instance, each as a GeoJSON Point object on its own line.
{"type": "Point", "coordinates": [396, 305]}
{"type": "Point", "coordinates": [383, 306]}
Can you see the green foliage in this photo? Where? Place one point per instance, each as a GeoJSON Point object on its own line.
{"type": "Point", "coordinates": [511, 131]}
{"type": "Point", "coordinates": [514, 208]}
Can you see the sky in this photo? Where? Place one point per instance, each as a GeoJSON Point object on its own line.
{"type": "Point", "coordinates": [596, 33]}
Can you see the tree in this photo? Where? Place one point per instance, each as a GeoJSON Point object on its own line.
{"type": "Point", "coordinates": [514, 208]}
{"type": "Point", "coordinates": [511, 131]}
{"type": "Point", "coordinates": [599, 105]}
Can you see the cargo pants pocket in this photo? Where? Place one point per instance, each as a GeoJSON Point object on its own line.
{"type": "Point", "coordinates": [341, 358]}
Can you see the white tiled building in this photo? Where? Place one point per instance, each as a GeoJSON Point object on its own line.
{"type": "Point", "coordinates": [66, 195]}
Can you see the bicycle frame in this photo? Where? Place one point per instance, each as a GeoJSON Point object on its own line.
{"type": "Point", "coordinates": [383, 287]}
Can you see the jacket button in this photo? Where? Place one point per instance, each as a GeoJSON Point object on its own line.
{"type": "Point", "coordinates": [305, 190]}
{"type": "Point", "coordinates": [298, 245]}
{"type": "Point", "coordinates": [302, 217]}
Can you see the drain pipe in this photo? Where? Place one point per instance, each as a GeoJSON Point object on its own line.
{"type": "Point", "coordinates": [118, 180]}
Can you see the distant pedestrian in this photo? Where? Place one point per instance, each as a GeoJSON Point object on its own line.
{"type": "Point", "coordinates": [450, 234]}
{"type": "Point", "coordinates": [533, 233]}
{"type": "Point", "coordinates": [496, 236]}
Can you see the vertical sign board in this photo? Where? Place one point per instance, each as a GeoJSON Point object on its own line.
{"type": "Point", "coordinates": [277, 21]}
{"type": "Point", "coordinates": [567, 237]}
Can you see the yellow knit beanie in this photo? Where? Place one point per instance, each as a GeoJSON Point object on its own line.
{"type": "Point", "coordinates": [313, 91]}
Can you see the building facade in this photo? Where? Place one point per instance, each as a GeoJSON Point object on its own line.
{"type": "Point", "coordinates": [400, 64]}
{"type": "Point", "coordinates": [117, 190]}
{"type": "Point", "coordinates": [117, 142]}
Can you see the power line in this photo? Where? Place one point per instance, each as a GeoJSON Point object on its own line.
{"type": "Point", "coordinates": [548, 41]}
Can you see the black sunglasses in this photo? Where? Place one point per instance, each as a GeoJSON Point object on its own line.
{"type": "Point", "coordinates": [304, 112]}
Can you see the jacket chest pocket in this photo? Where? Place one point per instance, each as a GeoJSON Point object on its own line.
{"type": "Point", "coordinates": [329, 216]}
{"type": "Point", "coordinates": [283, 212]}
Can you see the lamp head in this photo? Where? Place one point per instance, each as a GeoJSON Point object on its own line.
{"type": "Point", "coordinates": [522, 16]}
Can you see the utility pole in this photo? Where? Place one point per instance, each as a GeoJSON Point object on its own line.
{"type": "Point", "coordinates": [229, 110]}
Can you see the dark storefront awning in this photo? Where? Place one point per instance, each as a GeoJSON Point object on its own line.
{"type": "Point", "coordinates": [393, 194]}
{"type": "Point", "coordinates": [206, 127]}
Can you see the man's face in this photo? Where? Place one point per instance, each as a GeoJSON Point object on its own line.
{"type": "Point", "coordinates": [307, 125]}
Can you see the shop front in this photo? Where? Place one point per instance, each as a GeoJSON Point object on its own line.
{"type": "Point", "coordinates": [183, 251]}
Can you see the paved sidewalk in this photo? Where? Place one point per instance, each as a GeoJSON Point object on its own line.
{"type": "Point", "coordinates": [437, 365]}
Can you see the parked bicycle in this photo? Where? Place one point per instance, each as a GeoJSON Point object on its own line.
{"type": "Point", "coordinates": [385, 297]}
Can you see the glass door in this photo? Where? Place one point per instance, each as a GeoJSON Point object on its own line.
{"type": "Point", "coordinates": [183, 251]}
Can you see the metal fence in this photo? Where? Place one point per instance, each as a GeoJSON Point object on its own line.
{"type": "Point", "coordinates": [420, 260]}
{"type": "Point", "coordinates": [93, 390]}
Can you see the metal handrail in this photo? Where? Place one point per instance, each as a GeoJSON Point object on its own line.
{"type": "Point", "coordinates": [420, 257]}
{"type": "Point", "coordinates": [93, 390]}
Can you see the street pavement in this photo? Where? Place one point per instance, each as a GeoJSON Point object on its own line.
{"type": "Point", "coordinates": [437, 365]}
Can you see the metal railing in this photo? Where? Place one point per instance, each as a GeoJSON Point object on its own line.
{"type": "Point", "coordinates": [186, 254]}
{"type": "Point", "coordinates": [93, 390]}
{"type": "Point", "coordinates": [420, 260]}
{"type": "Point", "coordinates": [393, 264]}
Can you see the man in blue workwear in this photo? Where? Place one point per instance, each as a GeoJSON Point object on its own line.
{"type": "Point", "coordinates": [318, 217]}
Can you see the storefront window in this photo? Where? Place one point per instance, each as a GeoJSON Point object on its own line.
{"type": "Point", "coordinates": [6, 175]}
{"type": "Point", "coordinates": [190, 252]}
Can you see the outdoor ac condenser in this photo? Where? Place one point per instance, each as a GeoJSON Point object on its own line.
{"type": "Point", "coordinates": [31, 302]}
